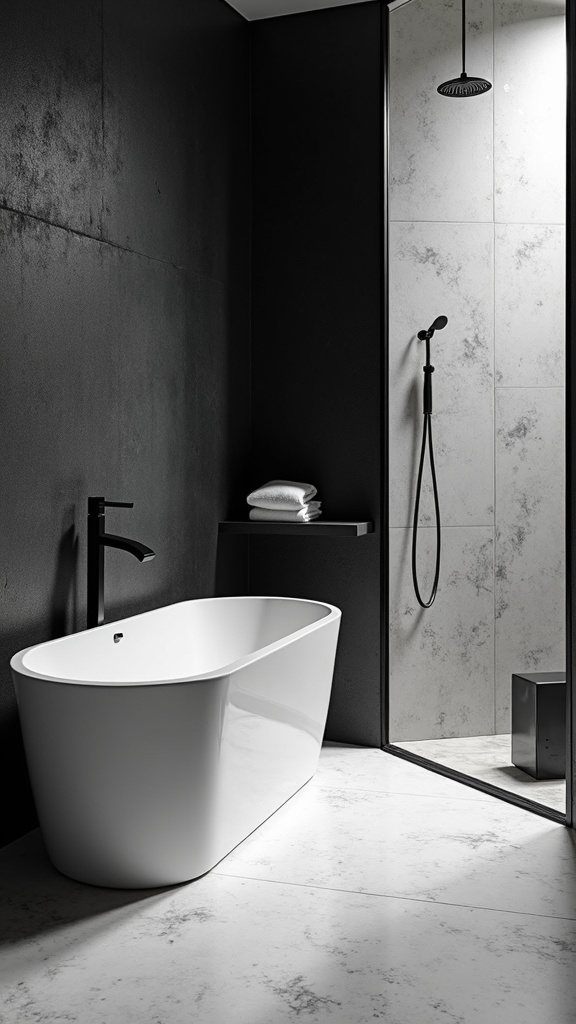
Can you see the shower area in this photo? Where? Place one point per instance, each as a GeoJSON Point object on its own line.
{"type": "Point", "coordinates": [476, 201]}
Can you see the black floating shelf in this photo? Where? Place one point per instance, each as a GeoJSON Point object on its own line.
{"type": "Point", "coordinates": [316, 528]}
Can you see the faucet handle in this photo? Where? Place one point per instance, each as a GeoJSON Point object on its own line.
{"type": "Point", "coordinates": [96, 505]}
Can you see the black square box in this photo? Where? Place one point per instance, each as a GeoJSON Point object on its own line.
{"type": "Point", "coordinates": [539, 724]}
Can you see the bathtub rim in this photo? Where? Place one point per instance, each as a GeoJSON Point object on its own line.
{"type": "Point", "coordinates": [333, 614]}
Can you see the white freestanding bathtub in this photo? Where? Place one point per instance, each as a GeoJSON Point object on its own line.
{"type": "Point", "coordinates": [157, 743]}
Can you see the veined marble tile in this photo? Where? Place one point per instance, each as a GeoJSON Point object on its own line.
{"type": "Point", "coordinates": [529, 111]}
{"type": "Point", "coordinates": [468, 751]}
{"type": "Point", "coordinates": [440, 148]}
{"type": "Point", "coordinates": [348, 767]}
{"type": "Point", "coordinates": [488, 758]}
{"type": "Point", "coordinates": [530, 540]}
{"type": "Point", "coordinates": [253, 952]}
{"type": "Point", "coordinates": [442, 658]}
{"type": "Point", "coordinates": [490, 855]}
{"type": "Point", "coordinates": [530, 272]}
{"type": "Point", "coordinates": [442, 269]}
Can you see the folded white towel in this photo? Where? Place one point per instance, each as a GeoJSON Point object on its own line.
{"type": "Point", "coordinates": [282, 494]}
{"type": "Point", "coordinates": [268, 515]}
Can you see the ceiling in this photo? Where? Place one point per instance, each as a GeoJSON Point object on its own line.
{"type": "Point", "coordinates": [254, 9]}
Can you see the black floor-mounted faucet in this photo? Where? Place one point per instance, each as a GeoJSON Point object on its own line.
{"type": "Point", "coordinates": [98, 539]}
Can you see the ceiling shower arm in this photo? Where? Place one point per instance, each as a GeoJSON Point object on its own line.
{"type": "Point", "coordinates": [463, 37]}
{"type": "Point", "coordinates": [463, 85]}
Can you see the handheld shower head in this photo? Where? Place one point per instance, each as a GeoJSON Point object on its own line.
{"type": "Point", "coordinates": [438, 325]}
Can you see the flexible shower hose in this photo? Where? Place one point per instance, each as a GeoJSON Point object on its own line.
{"type": "Point", "coordinates": [426, 442]}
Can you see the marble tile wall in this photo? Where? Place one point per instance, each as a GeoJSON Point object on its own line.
{"type": "Point", "coordinates": [476, 208]}
{"type": "Point", "coordinates": [442, 658]}
{"type": "Point", "coordinates": [529, 305]}
{"type": "Point", "coordinates": [529, 111]}
{"type": "Point", "coordinates": [441, 159]}
{"type": "Point", "coordinates": [529, 580]}
{"type": "Point", "coordinates": [443, 268]}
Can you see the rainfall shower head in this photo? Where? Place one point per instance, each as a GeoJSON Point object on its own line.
{"type": "Point", "coordinates": [464, 86]}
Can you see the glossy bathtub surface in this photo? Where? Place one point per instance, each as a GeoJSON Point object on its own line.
{"type": "Point", "coordinates": [194, 638]}
{"type": "Point", "coordinates": [152, 757]}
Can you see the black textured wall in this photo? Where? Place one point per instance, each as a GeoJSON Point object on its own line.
{"type": "Point", "coordinates": [317, 287]}
{"type": "Point", "coordinates": [124, 282]}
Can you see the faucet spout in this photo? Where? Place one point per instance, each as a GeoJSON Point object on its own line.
{"type": "Point", "coordinates": [140, 551]}
{"type": "Point", "coordinates": [98, 541]}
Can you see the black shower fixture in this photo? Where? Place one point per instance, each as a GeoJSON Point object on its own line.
{"type": "Point", "coordinates": [464, 86]}
{"type": "Point", "coordinates": [438, 325]}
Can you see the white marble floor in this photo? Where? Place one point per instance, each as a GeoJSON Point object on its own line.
{"type": "Point", "coordinates": [488, 758]}
{"type": "Point", "coordinates": [381, 891]}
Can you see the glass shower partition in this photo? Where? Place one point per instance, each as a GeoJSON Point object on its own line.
{"type": "Point", "coordinates": [476, 231]}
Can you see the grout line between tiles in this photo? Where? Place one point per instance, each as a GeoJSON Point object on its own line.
{"type": "Point", "coordinates": [391, 896]}
{"type": "Point", "coordinates": [503, 223]}
{"type": "Point", "coordinates": [451, 526]}
{"type": "Point", "coordinates": [466, 770]}
{"type": "Point", "coordinates": [485, 798]}
{"type": "Point", "coordinates": [494, 417]}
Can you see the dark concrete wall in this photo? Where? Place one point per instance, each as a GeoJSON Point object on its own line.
{"type": "Point", "coordinates": [317, 323]}
{"type": "Point", "coordinates": [124, 282]}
